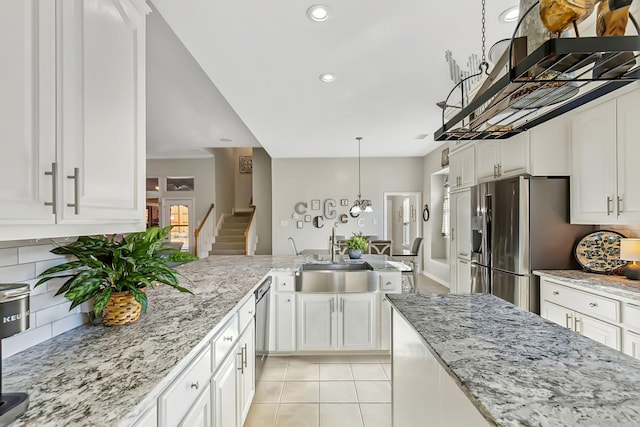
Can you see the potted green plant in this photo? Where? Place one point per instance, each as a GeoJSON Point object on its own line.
{"type": "Point", "coordinates": [117, 272]}
{"type": "Point", "coordinates": [356, 244]}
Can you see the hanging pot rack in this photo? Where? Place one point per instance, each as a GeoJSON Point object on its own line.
{"type": "Point", "coordinates": [555, 78]}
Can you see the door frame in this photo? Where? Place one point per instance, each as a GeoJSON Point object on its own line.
{"type": "Point", "coordinates": [386, 207]}
{"type": "Point", "coordinates": [190, 202]}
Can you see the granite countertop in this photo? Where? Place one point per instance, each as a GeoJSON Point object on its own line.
{"type": "Point", "coordinates": [113, 374]}
{"type": "Point", "coordinates": [609, 283]}
{"type": "Point", "coordinates": [519, 369]}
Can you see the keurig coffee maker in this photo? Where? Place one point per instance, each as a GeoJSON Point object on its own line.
{"type": "Point", "coordinates": [14, 318]}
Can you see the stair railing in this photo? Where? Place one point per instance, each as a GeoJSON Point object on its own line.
{"type": "Point", "coordinates": [250, 234]}
{"type": "Point", "coordinates": [205, 234]}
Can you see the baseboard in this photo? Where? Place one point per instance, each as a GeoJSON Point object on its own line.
{"type": "Point", "coordinates": [437, 279]}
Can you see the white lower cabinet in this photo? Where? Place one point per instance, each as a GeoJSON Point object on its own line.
{"type": "Point", "coordinates": [225, 393]}
{"type": "Point", "coordinates": [422, 389]}
{"type": "Point", "coordinates": [200, 415]}
{"type": "Point", "coordinates": [337, 321]}
{"type": "Point", "coordinates": [632, 344]}
{"type": "Point", "coordinates": [285, 322]}
{"type": "Point", "coordinates": [463, 276]}
{"type": "Point", "coordinates": [385, 324]}
{"type": "Point", "coordinates": [594, 316]}
{"type": "Point", "coordinates": [246, 371]}
{"type": "Point", "coordinates": [148, 419]}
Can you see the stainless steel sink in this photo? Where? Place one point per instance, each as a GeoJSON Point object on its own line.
{"type": "Point", "coordinates": [336, 278]}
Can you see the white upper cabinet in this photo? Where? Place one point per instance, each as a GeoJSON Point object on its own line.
{"type": "Point", "coordinates": [603, 154]}
{"type": "Point", "coordinates": [27, 111]}
{"type": "Point", "coordinates": [502, 158]}
{"type": "Point", "coordinates": [462, 168]}
{"type": "Point", "coordinates": [102, 96]}
{"type": "Point", "coordinates": [74, 117]}
{"type": "Point", "coordinates": [550, 148]}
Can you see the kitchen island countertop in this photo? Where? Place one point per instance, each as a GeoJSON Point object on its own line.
{"type": "Point", "coordinates": [519, 369]}
{"type": "Point", "coordinates": [108, 376]}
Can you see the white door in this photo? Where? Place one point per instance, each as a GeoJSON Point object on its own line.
{"type": "Point", "coordinates": [179, 214]}
{"type": "Point", "coordinates": [101, 145]}
{"type": "Point", "coordinates": [225, 411]}
{"type": "Point", "coordinates": [556, 314]}
{"type": "Point", "coordinates": [246, 383]}
{"type": "Point", "coordinates": [599, 331]}
{"type": "Point", "coordinates": [593, 165]}
{"type": "Point", "coordinates": [486, 160]}
{"type": "Point", "coordinates": [628, 197]}
{"type": "Point", "coordinates": [462, 240]}
{"type": "Point", "coordinates": [285, 321]}
{"type": "Point", "coordinates": [357, 321]}
{"type": "Point", "coordinates": [632, 344]}
{"type": "Point", "coordinates": [27, 111]}
{"type": "Point", "coordinates": [316, 321]}
{"type": "Point", "coordinates": [200, 414]}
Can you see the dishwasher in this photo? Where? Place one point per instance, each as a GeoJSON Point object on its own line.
{"type": "Point", "coordinates": [262, 294]}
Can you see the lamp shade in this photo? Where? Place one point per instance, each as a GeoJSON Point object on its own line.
{"type": "Point", "coordinates": [630, 249]}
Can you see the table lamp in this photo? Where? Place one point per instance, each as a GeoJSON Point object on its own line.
{"type": "Point", "coordinates": [630, 251]}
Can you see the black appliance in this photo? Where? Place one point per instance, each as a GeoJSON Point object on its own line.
{"type": "Point", "coordinates": [14, 312]}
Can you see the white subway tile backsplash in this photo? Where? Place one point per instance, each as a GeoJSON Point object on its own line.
{"type": "Point", "coordinates": [43, 265]}
{"type": "Point", "coordinates": [8, 256]}
{"type": "Point", "coordinates": [51, 314]}
{"type": "Point", "coordinates": [67, 323]}
{"type": "Point", "coordinates": [24, 340]}
{"type": "Point", "coordinates": [45, 300]}
{"type": "Point", "coordinates": [17, 273]}
{"type": "Point", "coordinates": [36, 253]}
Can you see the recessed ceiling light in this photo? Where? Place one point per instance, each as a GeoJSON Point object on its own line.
{"type": "Point", "coordinates": [318, 13]}
{"type": "Point", "coordinates": [226, 140]}
{"type": "Point", "coordinates": [510, 15]}
{"type": "Point", "coordinates": [327, 77]}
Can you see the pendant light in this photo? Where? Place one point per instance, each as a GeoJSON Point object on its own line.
{"type": "Point", "coordinates": [360, 204]}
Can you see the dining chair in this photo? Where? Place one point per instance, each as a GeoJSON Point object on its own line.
{"type": "Point", "coordinates": [412, 259]}
{"type": "Point", "coordinates": [379, 247]}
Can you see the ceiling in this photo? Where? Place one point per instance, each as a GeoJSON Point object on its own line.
{"type": "Point", "coordinates": [262, 60]}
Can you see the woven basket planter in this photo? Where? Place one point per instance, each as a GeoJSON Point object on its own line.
{"type": "Point", "coordinates": [121, 309]}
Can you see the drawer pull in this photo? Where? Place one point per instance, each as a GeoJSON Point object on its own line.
{"type": "Point", "coordinates": [241, 365]}
{"type": "Point", "coordinates": [568, 320]}
{"type": "Point", "coordinates": [388, 284]}
{"type": "Point", "coordinates": [228, 338]}
{"type": "Point", "coordinates": [250, 312]}
{"type": "Point", "coordinates": [577, 329]}
{"type": "Point", "coordinates": [556, 293]}
{"type": "Point", "coordinates": [593, 304]}
{"type": "Point", "coordinates": [195, 385]}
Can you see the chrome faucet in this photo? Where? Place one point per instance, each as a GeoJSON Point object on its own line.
{"type": "Point", "coordinates": [332, 247]}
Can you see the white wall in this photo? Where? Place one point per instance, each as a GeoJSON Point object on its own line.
{"type": "Point", "coordinates": [224, 180]}
{"type": "Point", "coordinates": [22, 262]}
{"type": "Point", "coordinates": [243, 181]}
{"type": "Point", "coordinates": [437, 269]}
{"type": "Point", "coordinates": [302, 180]}
{"type": "Point", "coordinates": [262, 199]}
{"type": "Point", "coordinates": [203, 171]}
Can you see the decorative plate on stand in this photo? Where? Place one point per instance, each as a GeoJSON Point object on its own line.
{"type": "Point", "coordinates": [599, 252]}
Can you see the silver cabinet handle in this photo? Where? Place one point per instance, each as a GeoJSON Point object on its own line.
{"type": "Point", "coordinates": [288, 300]}
{"type": "Point", "coordinates": [244, 355]}
{"type": "Point", "coordinates": [388, 284]}
{"type": "Point", "coordinates": [568, 319]}
{"type": "Point", "coordinates": [250, 312]}
{"type": "Point", "coordinates": [555, 293]}
{"type": "Point", "coordinates": [495, 171]}
{"type": "Point", "coordinates": [619, 205]}
{"type": "Point", "coordinates": [54, 188]}
{"type": "Point", "coordinates": [577, 329]}
{"type": "Point", "coordinates": [341, 305]}
{"type": "Point", "coordinates": [593, 304]}
{"type": "Point", "coordinates": [229, 338]}
{"type": "Point", "coordinates": [609, 210]}
{"type": "Point", "coordinates": [463, 254]}
{"type": "Point", "coordinates": [331, 302]}
{"type": "Point", "coordinates": [463, 262]}
{"type": "Point", "coordinates": [499, 170]}
{"type": "Point", "coordinates": [453, 234]}
{"type": "Point", "coordinates": [241, 367]}
{"type": "Point", "coordinates": [195, 385]}
{"type": "Point", "coordinates": [76, 190]}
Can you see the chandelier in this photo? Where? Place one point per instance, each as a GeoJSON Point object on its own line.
{"type": "Point", "coordinates": [360, 204]}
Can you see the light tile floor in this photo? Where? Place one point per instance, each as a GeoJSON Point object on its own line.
{"type": "Point", "coordinates": [323, 391]}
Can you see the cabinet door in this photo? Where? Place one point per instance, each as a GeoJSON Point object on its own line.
{"type": "Point", "coordinates": [200, 414]}
{"type": "Point", "coordinates": [628, 198]}
{"type": "Point", "coordinates": [385, 323]}
{"type": "Point", "coordinates": [27, 111]}
{"type": "Point", "coordinates": [486, 159]}
{"type": "Point", "coordinates": [285, 321]}
{"type": "Point", "coordinates": [550, 148]}
{"type": "Point", "coordinates": [101, 144]}
{"type": "Point", "coordinates": [316, 321]}
{"type": "Point", "coordinates": [513, 155]}
{"type": "Point", "coordinates": [462, 236]}
{"type": "Point", "coordinates": [148, 419]}
{"type": "Point", "coordinates": [556, 314]}
{"type": "Point", "coordinates": [632, 344]}
{"type": "Point", "coordinates": [357, 321]}
{"type": "Point", "coordinates": [225, 411]}
{"type": "Point", "coordinates": [246, 379]}
{"type": "Point", "coordinates": [593, 165]}
{"type": "Point", "coordinates": [467, 167]}
{"type": "Point", "coordinates": [463, 276]}
{"type": "Point", "coordinates": [599, 331]}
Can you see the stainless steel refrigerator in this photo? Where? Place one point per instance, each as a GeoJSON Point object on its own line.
{"type": "Point", "coordinates": [518, 225]}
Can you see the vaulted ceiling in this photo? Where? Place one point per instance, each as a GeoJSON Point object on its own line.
{"type": "Point", "coordinates": [249, 71]}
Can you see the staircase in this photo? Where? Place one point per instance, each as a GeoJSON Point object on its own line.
{"type": "Point", "coordinates": [230, 237]}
